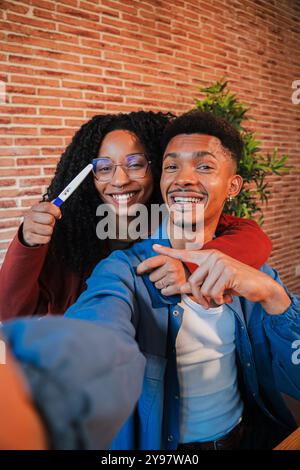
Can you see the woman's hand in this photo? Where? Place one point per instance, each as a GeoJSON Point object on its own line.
{"type": "Point", "coordinates": [39, 223]}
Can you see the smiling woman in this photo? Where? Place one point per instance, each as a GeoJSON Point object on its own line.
{"type": "Point", "coordinates": [122, 171]}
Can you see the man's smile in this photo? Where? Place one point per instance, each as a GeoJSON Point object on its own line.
{"type": "Point", "coordinates": [186, 198]}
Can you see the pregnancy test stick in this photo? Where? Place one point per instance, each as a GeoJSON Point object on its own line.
{"type": "Point", "coordinates": [63, 196]}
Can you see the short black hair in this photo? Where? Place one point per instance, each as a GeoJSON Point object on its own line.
{"type": "Point", "coordinates": [199, 122]}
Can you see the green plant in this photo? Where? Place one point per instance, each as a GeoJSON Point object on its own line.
{"type": "Point", "coordinates": [253, 166]}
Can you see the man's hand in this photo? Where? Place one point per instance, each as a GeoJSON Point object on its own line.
{"type": "Point", "coordinates": [167, 274]}
{"type": "Point", "coordinates": [22, 427]}
{"type": "Point", "coordinates": [220, 277]}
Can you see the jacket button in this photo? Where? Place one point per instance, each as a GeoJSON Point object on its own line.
{"type": "Point", "coordinates": [170, 438]}
{"type": "Point", "coordinates": [175, 313]}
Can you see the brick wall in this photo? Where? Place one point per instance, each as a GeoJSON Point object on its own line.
{"type": "Point", "coordinates": [64, 61]}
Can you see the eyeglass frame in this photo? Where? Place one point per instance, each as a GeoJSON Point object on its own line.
{"type": "Point", "coordinates": [122, 165]}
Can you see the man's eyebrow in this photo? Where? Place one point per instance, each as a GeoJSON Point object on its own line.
{"type": "Point", "coordinates": [171, 155]}
{"type": "Point", "coordinates": [203, 153]}
{"type": "Point", "coordinates": [199, 153]}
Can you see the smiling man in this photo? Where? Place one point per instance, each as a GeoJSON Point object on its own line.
{"type": "Point", "coordinates": [199, 169]}
{"type": "Point", "coordinates": [214, 374]}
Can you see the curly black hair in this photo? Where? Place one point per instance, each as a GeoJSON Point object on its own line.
{"type": "Point", "coordinates": [198, 122]}
{"type": "Point", "coordinates": [74, 239]}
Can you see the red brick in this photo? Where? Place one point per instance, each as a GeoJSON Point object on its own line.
{"type": "Point", "coordinates": [61, 112]}
{"type": "Point", "coordinates": [35, 101]}
{"type": "Point", "coordinates": [30, 192]}
{"type": "Point", "coordinates": [11, 213]}
{"type": "Point", "coordinates": [38, 141]}
{"type": "Point", "coordinates": [47, 25]}
{"type": "Point", "coordinates": [7, 162]}
{"type": "Point", "coordinates": [19, 172]}
{"type": "Point", "coordinates": [77, 13]}
{"type": "Point", "coordinates": [18, 130]}
{"type": "Point", "coordinates": [19, 109]}
{"type": "Point", "coordinates": [7, 203]}
{"type": "Point", "coordinates": [39, 121]}
{"type": "Point", "coordinates": [34, 182]}
{"type": "Point", "coordinates": [17, 151]}
{"type": "Point", "coordinates": [8, 223]}
{"type": "Point", "coordinates": [57, 151]}
{"type": "Point", "coordinates": [59, 93]}
{"type": "Point", "coordinates": [29, 202]}
{"type": "Point", "coordinates": [77, 31]}
{"type": "Point", "coordinates": [14, 7]}
{"type": "Point", "coordinates": [55, 132]}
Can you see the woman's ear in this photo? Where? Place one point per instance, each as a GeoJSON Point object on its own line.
{"type": "Point", "coordinates": [235, 186]}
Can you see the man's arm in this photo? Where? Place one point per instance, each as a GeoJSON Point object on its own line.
{"type": "Point", "coordinates": [238, 238]}
{"type": "Point", "coordinates": [110, 295]}
{"type": "Point", "coordinates": [84, 379]}
{"type": "Point", "coordinates": [220, 277]}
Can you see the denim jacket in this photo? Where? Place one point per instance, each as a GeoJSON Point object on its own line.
{"type": "Point", "coordinates": [118, 297]}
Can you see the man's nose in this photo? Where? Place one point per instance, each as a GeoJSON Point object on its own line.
{"type": "Point", "coordinates": [186, 176]}
{"type": "Point", "coordinates": [120, 177]}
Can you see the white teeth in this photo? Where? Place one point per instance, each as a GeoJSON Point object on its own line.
{"type": "Point", "coordinates": [122, 197]}
{"type": "Point", "coordinates": [185, 200]}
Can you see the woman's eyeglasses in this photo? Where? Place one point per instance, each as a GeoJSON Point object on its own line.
{"type": "Point", "coordinates": [135, 166]}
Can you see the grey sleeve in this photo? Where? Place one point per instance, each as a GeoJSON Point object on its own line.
{"type": "Point", "coordinates": [85, 378]}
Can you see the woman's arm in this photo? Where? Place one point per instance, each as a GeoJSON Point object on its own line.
{"type": "Point", "coordinates": [241, 239]}
{"type": "Point", "coordinates": [20, 291]}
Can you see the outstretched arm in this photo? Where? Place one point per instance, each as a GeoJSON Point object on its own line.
{"type": "Point", "coordinates": [84, 381]}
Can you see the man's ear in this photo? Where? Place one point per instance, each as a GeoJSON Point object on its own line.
{"type": "Point", "coordinates": [235, 185]}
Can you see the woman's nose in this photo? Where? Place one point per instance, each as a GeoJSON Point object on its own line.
{"type": "Point", "coordinates": [120, 177]}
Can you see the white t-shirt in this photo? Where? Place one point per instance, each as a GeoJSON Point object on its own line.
{"type": "Point", "coordinates": [210, 403]}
